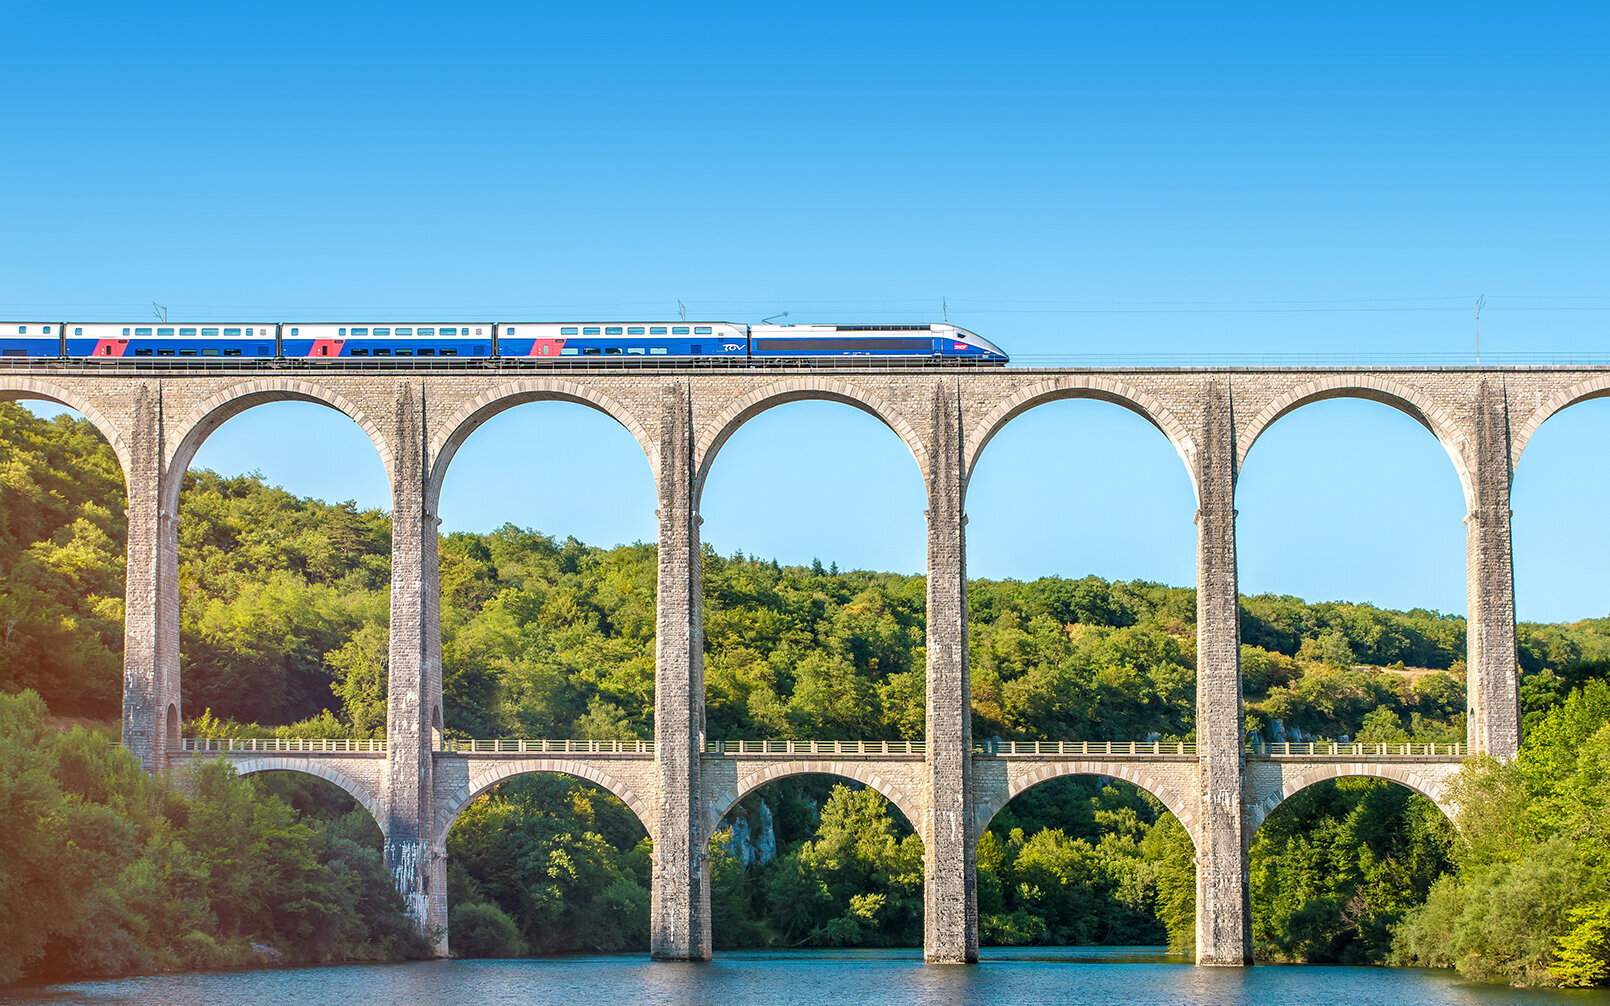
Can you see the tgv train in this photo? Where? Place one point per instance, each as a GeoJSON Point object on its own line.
{"type": "Point", "coordinates": [559, 342]}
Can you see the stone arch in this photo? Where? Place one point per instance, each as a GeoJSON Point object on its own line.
{"type": "Point", "coordinates": [1409, 401]}
{"type": "Point", "coordinates": [206, 417]}
{"type": "Point", "coordinates": [1595, 387]}
{"type": "Point", "coordinates": [1101, 389]}
{"type": "Point", "coordinates": [810, 387]}
{"type": "Point", "coordinates": [483, 407]}
{"type": "Point", "coordinates": [868, 775]}
{"type": "Point", "coordinates": [367, 799]}
{"type": "Point", "coordinates": [19, 388]}
{"type": "Point", "coordinates": [485, 778]}
{"type": "Point", "coordinates": [1171, 794]}
{"type": "Point", "coordinates": [1429, 780]}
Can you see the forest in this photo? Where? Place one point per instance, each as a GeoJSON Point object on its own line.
{"type": "Point", "coordinates": [283, 632]}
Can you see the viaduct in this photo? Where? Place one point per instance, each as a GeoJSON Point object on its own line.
{"type": "Point", "coordinates": [679, 786]}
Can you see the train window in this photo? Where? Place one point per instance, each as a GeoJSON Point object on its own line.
{"type": "Point", "coordinates": [324, 350]}
{"type": "Point", "coordinates": [164, 331]}
{"type": "Point", "coordinates": [590, 330]}
{"type": "Point", "coordinates": [142, 352]}
{"type": "Point", "coordinates": [382, 331]}
{"type": "Point", "coordinates": [231, 352]}
{"type": "Point", "coordinates": [341, 332]}
{"type": "Point", "coordinates": [296, 331]}
{"type": "Point", "coordinates": [568, 350]}
{"type": "Point", "coordinates": [450, 351]}
{"type": "Point", "coordinates": [613, 330]}
{"type": "Point", "coordinates": [637, 330]}
{"type": "Point", "coordinates": [142, 331]}
{"type": "Point", "coordinates": [452, 332]}
{"type": "Point", "coordinates": [382, 351]}
{"type": "Point", "coordinates": [404, 352]}
{"type": "Point", "coordinates": [210, 331]}
{"type": "Point", "coordinates": [249, 331]}
{"type": "Point", "coordinates": [679, 330]}
{"type": "Point", "coordinates": [22, 329]}
{"type": "Point", "coordinates": [164, 352]}
{"type": "Point", "coordinates": [360, 352]}
{"type": "Point", "coordinates": [404, 331]}
{"type": "Point", "coordinates": [47, 329]}
{"type": "Point", "coordinates": [232, 332]}
{"type": "Point", "coordinates": [423, 331]}
{"type": "Point", "coordinates": [657, 351]}
{"type": "Point", "coordinates": [635, 350]}
{"type": "Point", "coordinates": [702, 330]}
{"type": "Point", "coordinates": [657, 330]}
{"type": "Point", "coordinates": [80, 331]}
{"type": "Point", "coordinates": [426, 351]}
{"type": "Point", "coordinates": [565, 330]}
{"type": "Point", "coordinates": [590, 351]}
{"type": "Point", "coordinates": [209, 352]}
{"type": "Point", "coordinates": [359, 332]}
{"type": "Point", "coordinates": [612, 351]}
{"type": "Point", "coordinates": [187, 331]}
{"type": "Point", "coordinates": [16, 352]}
{"type": "Point", "coordinates": [187, 352]}
{"type": "Point", "coordinates": [478, 331]}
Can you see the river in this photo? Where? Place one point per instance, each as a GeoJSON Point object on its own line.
{"type": "Point", "coordinates": [1089, 976]}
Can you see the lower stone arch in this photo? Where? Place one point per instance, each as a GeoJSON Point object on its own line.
{"type": "Point", "coordinates": [800, 389]}
{"type": "Point", "coordinates": [1101, 389]}
{"type": "Point", "coordinates": [1430, 781]}
{"type": "Point", "coordinates": [724, 801]}
{"type": "Point", "coordinates": [367, 799]}
{"type": "Point", "coordinates": [479, 782]}
{"type": "Point", "coordinates": [1409, 401]}
{"type": "Point", "coordinates": [206, 417]}
{"type": "Point", "coordinates": [13, 389]}
{"type": "Point", "coordinates": [483, 407]}
{"type": "Point", "coordinates": [1171, 795]}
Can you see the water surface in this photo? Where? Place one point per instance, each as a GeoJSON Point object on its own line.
{"type": "Point", "coordinates": [1090, 976]}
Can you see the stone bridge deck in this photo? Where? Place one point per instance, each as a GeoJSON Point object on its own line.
{"type": "Point", "coordinates": [729, 771]}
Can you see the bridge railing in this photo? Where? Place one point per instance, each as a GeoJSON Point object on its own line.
{"type": "Point", "coordinates": [317, 745]}
{"type": "Point", "coordinates": [817, 747]}
{"type": "Point", "coordinates": [1130, 748]}
{"type": "Point", "coordinates": [525, 746]}
{"type": "Point", "coordinates": [1333, 749]}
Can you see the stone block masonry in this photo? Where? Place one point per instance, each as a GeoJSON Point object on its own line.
{"type": "Point", "coordinates": [156, 419]}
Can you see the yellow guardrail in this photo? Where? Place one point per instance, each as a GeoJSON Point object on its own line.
{"type": "Point", "coordinates": [522, 746]}
{"type": "Point", "coordinates": [817, 747]}
{"type": "Point", "coordinates": [1332, 749]}
{"type": "Point", "coordinates": [1084, 748]}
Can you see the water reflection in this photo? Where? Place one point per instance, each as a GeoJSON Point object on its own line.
{"type": "Point", "coordinates": [1098, 976]}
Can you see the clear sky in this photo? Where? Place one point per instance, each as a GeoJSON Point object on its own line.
{"type": "Point", "coordinates": [1186, 182]}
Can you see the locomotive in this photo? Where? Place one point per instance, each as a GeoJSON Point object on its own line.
{"type": "Point", "coordinates": [558, 342]}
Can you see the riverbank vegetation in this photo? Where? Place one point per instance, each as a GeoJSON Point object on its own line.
{"type": "Point", "coordinates": [283, 631]}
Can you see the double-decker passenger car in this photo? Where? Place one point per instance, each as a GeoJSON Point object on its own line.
{"type": "Point", "coordinates": [30, 338]}
{"type": "Point", "coordinates": [583, 340]}
{"type": "Point", "coordinates": [324, 340]}
{"type": "Point", "coordinates": [114, 341]}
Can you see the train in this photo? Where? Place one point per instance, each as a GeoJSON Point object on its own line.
{"type": "Point", "coordinates": [558, 342]}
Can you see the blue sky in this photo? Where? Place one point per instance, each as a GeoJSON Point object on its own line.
{"type": "Point", "coordinates": [1072, 181]}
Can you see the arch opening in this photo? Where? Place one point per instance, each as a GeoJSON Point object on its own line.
{"type": "Point", "coordinates": [282, 596]}
{"type": "Point", "coordinates": [1337, 863]}
{"type": "Point", "coordinates": [1085, 859]}
{"type": "Point", "coordinates": [1352, 559]}
{"type": "Point", "coordinates": [1081, 543]}
{"type": "Point", "coordinates": [817, 632]}
{"type": "Point", "coordinates": [814, 859]}
{"type": "Point", "coordinates": [547, 633]}
{"type": "Point", "coordinates": [546, 862]}
{"type": "Point", "coordinates": [64, 550]}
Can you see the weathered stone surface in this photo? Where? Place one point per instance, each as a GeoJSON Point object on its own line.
{"type": "Point", "coordinates": [155, 421]}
